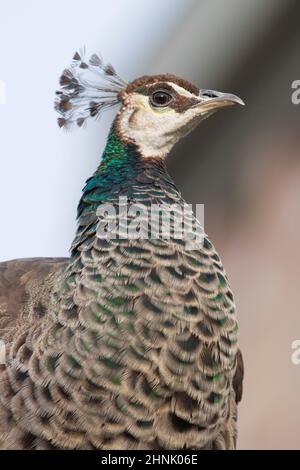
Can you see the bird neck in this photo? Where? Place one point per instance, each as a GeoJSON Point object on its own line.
{"type": "Point", "coordinates": [122, 169]}
{"type": "Point", "coordinates": [118, 154]}
{"type": "Point", "coordinates": [123, 160]}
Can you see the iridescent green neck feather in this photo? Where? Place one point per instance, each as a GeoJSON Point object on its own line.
{"type": "Point", "coordinates": [122, 167]}
{"type": "Point", "coordinates": [123, 171]}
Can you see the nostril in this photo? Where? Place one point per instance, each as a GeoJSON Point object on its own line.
{"type": "Point", "coordinates": [209, 94]}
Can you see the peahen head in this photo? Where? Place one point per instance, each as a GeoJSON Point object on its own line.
{"type": "Point", "coordinates": [155, 113]}
{"type": "Point", "coordinates": [159, 110]}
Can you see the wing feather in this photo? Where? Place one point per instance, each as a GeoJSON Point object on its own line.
{"type": "Point", "coordinates": [25, 288]}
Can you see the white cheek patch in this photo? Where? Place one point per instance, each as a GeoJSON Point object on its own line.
{"type": "Point", "coordinates": [141, 101]}
{"type": "Point", "coordinates": [152, 132]}
{"type": "Point", "coordinates": [156, 131]}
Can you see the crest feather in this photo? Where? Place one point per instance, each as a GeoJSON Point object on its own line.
{"type": "Point", "coordinates": [87, 88]}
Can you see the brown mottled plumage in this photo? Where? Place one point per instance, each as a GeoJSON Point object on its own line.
{"type": "Point", "coordinates": [131, 343]}
{"type": "Point", "coordinates": [176, 411]}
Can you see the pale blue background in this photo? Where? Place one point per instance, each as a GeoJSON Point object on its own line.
{"type": "Point", "coordinates": [43, 168]}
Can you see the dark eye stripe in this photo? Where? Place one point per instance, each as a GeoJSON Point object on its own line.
{"type": "Point", "coordinates": [141, 84]}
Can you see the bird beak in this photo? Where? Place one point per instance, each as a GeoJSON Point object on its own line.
{"type": "Point", "coordinates": [210, 100]}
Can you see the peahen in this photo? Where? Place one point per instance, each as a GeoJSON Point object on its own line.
{"type": "Point", "coordinates": [131, 343]}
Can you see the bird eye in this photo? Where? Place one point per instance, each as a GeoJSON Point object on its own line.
{"type": "Point", "coordinates": [161, 98]}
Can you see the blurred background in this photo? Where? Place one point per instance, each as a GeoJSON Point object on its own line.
{"type": "Point", "coordinates": [243, 164]}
